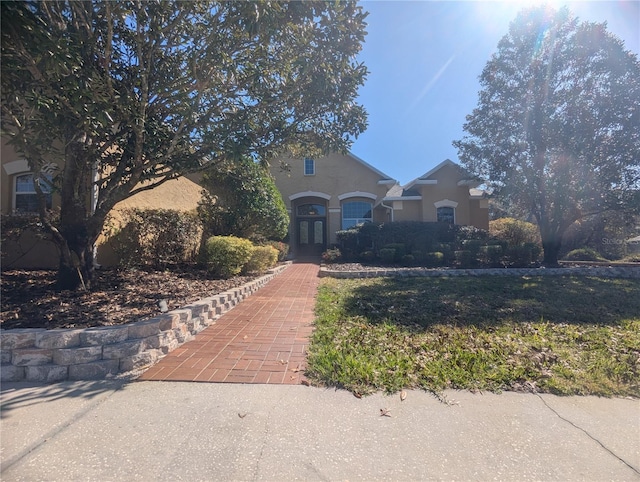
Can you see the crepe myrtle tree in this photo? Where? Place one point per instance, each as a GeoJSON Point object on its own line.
{"type": "Point", "coordinates": [125, 95]}
{"type": "Point", "coordinates": [556, 133]}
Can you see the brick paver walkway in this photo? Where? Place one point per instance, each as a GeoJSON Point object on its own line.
{"type": "Point", "coordinates": [262, 340]}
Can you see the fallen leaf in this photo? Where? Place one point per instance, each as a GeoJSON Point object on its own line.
{"type": "Point", "coordinates": [357, 395]}
{"type": "Point", "coordinates": [385, 412]}
{"type": "Point", "coordinates": [242, 415]}
{"type": "Point", "coordinates": [305, 383]}
{"type": "Point", "coordinates": [245, 337]}
{"type": "Point", "coordinates": [403, 395]}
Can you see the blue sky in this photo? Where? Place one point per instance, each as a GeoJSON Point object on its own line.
{"type": "Point", "coordinates": [424, 59]}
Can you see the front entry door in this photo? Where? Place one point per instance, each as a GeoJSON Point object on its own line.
{"type": "Point", "coordinates": [311, 237]}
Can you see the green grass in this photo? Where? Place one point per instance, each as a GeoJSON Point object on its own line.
{"type": "Point", "coordinates": [565, 335]}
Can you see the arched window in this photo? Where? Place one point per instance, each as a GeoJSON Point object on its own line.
{"type": "Point", "coordinates": [356, 212]}
{"type": "Point", "coordinates": [25, 199]}
{"type": "Point", "coordinates": [446, 214]}
{"type": "Point", "coordinates": [311, 210]}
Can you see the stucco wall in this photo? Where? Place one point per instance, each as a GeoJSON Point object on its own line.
{"type": "Point", "coordinates": [29, 251]}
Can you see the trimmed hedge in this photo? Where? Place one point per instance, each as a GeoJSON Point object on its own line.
{"type": "Point", "coordinates": [155, 237]}
{"type": "Point", "coordinates": [226, 256]}
{"type": "Point", "coordinates": [262, 258]}
{"type": "Point", "coordinates": [441, 244]}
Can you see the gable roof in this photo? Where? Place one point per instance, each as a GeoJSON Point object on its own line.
{"type": "Point", "coordinates": [385, 178]}
{"type": "Point", "coordinates": [467, 177]}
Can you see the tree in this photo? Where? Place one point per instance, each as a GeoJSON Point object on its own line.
{"type": "Point", "coordinates": [242, 200]}
{"type": "Point", "coordinates": [125, 95]}
{"type": "Point", "coordinates": [556, 132]}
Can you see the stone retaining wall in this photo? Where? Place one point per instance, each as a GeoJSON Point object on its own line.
{"type": "Point", "coordinates": [40, 355]}
{"type": "Point", "coordinates": [606, 272]}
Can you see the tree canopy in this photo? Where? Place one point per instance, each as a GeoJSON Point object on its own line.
{"type": "Point", "coordinates": [556, 133]}
{"type": "Point", "coordinates": [125, 95]}
{"type": "Point", "coordinates": [242, 200]}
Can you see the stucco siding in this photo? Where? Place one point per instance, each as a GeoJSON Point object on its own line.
{"type": "Point", "coordinates": [335, 175]}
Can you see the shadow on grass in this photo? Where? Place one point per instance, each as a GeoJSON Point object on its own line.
{"type": "Point", "coordinates": [423, 302]}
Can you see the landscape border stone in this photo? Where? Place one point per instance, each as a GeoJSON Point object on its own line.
{"type": "Point", "coordinates": [48, 356]}
{"type": "Point", "coordinates": [377, 272]}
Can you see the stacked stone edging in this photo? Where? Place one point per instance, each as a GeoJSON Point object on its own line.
{"type": "Point", "coordinates": [39, 355]}
{"type": "Point", "coordinates": [601, 271]}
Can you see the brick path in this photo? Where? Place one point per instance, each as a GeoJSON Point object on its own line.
{"type": "Point", "coordinates": [262, 340]}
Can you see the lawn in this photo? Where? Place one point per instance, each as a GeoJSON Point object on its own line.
{"type": "Point", "coordinates": [565, 335]}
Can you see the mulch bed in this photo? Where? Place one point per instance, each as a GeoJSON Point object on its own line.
{"type": "Point", "coordinates": [30, 300]}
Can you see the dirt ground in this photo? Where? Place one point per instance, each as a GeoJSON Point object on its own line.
{"type": "Point", "coordinates": [29, 298]}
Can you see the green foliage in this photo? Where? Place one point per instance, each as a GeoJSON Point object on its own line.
{"type": "Point", "coordinates": [605, 233]}
{"type": "Point", "coordinates": [491, 255]}
{"type": "Point", "coordinates": [332, 256]}
{"type": "Point", "coordinates": [282, 248]}
{"type": "Point", "coordinates": [445, 245]}
{"type": "Point", "coordinates": [434, 259]}
{"type": "Point", "coordinates": [408, 260]}
{"type": "Point", "coordinates": [241, 199]}
{"type": "Point", "coordinates": [387, 255]}
{"type": "Point", "coordinates": [262, 258]}
{"type": "Point", "coordinates": [463, 258]}
{"type": "Point", "coordinates": [367, 256]}
{"type": "Point", "coordinates": [513, 231]}
{"type": "Point", "coordinates": [155, 237]}
{"type": "Point", "coordinates": [398, 248]}
{"type": "Point", "coordinates": [584, 254]}
{"type": "Point", "coordinates": [487, 333]}
{"type": "Point", "coordinates": [351, 242]}
{"type": "Point", "coordinates": [138, 93]}
{"type": "Point", "coordinates": [226, 256]}
{"type": "Point", "coordinates": [556, 133]}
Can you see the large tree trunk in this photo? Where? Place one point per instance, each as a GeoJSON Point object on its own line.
{"type": "Point", "coordinates": [76, 260]}
{"type": "Point", "coordinates": [551, 249]}
{"type": "Point", "coordinates": [551, 236]}
{"type": "Point", "coordinates": [76, 242]}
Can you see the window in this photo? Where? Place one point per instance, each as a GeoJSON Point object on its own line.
{"type": "Point", "coordinates": [446, 214]}
{"type": "Point", "coordinates": [354, 213]}
{"type": "Point", "coordinates": [25, 197]}
{"type": "Point", "coordinates": [309, 167]}
{"type": "Point", "coordinates": [311, 210]}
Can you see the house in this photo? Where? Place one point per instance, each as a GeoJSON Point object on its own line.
{"type": "Point", "coordinates": [17, 196]}
{"type": "Point", "coordinates": [322, 195]}
{"type": "Point", "coordinates": [338, 191]}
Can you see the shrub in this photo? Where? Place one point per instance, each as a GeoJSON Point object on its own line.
{"type": "Point", "coordinates": [523, 256]}
{"type": "Point", "coordinates": [584, 254]}
{"type": "Point", "coordinates": [408, 260]}
{"type": "Point", "coordinates": [514, 232]}
{"type": "Point", "coordinates": [367, 256]}
{"type": "Point", "coordinates": [349, 240]}
{"type": "Point", "coordinates": [226, 256]}
{"type": "Point", "coordinates": [262, 258]}
{"type": "Point", "coordinates": [332, 256]}
{"type": "Point", "coordinates": [491, 255]}
{"type": "Point", "coordinates": [468, 233]}
{"type": "Point", "coordinates": [472, 245]}
{"type": "Point", "coordinates": [399, 250]}
{"type": "Point", "coordinates": [434, 259]}
{"type": "Point", "coordinates": [155, 237]}
{"type": "Point", "coordinates": [387, 255]}
{"type": "Point", "coordinates": [463, 258]}
{"type": "Point", "coordinates": [282, 248]}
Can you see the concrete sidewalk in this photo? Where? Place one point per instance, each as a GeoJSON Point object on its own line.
{"type": "Point", "coordinates": [111, 430]}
